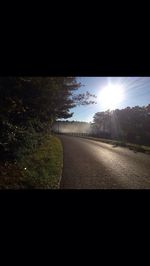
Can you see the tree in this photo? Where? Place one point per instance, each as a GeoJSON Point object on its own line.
{"type": "Point", "coordinates": [102, 123]}
{"type": "Point", "coordinates": [128, 124]}
{"type": "Point", "coordinates": [30, 105]}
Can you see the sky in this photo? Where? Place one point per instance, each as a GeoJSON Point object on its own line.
{"type": "Point", "coordinates": [112, 93]}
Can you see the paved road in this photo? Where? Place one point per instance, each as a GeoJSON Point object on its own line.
{"type": "Point", "coordinates": [90, 164]}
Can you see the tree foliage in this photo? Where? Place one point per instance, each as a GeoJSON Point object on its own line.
{"type": "Point", "coordinates": [129, 124]}
{"type": "Point", "coordinates": [30, 105]}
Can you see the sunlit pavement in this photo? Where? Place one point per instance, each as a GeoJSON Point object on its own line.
{"type": "Point", "coordinates": [90, 164]}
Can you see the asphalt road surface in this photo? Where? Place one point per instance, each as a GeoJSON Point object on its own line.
{"type": "Point", "coordinates": [90, 164]}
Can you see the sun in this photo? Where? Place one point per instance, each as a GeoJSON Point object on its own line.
{"type": "Point", "coordinates": [110, 96]}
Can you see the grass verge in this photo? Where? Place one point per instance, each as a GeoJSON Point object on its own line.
{"type": "Point", "coordinates": [40, 170]}
{"type": "Point", "coordinates": [131, 146]}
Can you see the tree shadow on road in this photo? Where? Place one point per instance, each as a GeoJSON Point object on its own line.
{"type": "Point", "coordinates": [134, 149]}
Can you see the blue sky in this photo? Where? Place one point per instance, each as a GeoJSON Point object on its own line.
{"type": "Point", "coordinates": [136, 91]}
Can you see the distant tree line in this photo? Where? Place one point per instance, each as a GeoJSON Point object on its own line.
{"type": "Point", "coordinates": [29, 107]}
{"type": "Point", "coordinates": [129, 124]}
{"type": "Point", "coordinates": [72, 127]}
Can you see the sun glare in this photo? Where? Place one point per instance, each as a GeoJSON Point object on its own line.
{"type": "Point", "coordinates": [110, 96]}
